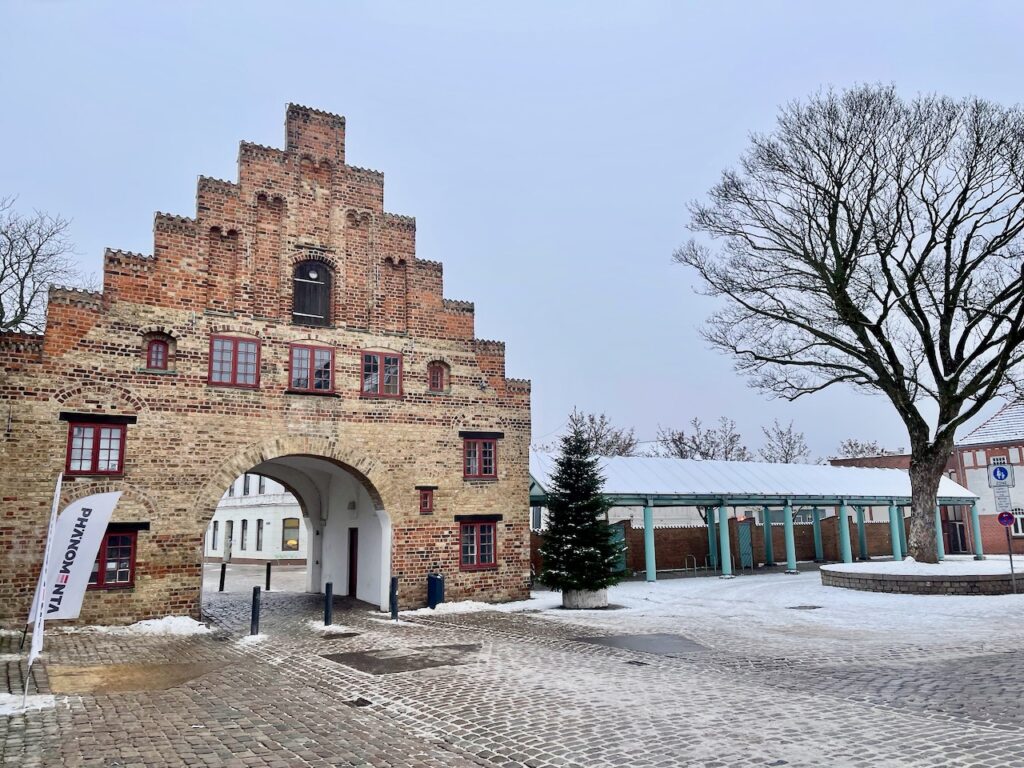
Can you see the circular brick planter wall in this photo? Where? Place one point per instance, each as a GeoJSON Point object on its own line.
{"type": "Point", "coordinates": [915, 584]}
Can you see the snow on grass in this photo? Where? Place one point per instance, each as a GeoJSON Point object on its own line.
{"type": "Point", "coordinates": [10, 703]}
{"type": "Point", "coordinates": [952, 566]}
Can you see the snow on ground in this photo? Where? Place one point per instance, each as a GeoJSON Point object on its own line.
{"type": "Point", "coordinates": [10, 703]}
{"type": "Point", "coordinates": [168, 625]}
{"type": "Point", "coordinates": [760, 608]}
{"type": "Point", "coordinates": [248, 640]}
{"type": "Point", "coordinates": [954, 565]}
{"type": "Point", "coordinates": [333, 629]}
{"type": "Point", "coordinates": [464, 606]}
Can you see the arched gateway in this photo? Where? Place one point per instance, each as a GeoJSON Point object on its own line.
{"type": "Point", "coordinates": [288, 330]}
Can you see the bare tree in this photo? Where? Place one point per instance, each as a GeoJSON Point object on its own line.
{"type": "Point", "coordinates": [722, 443]}
{"type": "Point", "coordinates": [876, 242]}
{"type": "Point", "coordinates": [784, 445]}
{"type": "Point", "coordinates": [34, 253]}
{"type": "Point", "coordinates": [852, 448]}
{"type": "Point", "coordinates": [603, 438]}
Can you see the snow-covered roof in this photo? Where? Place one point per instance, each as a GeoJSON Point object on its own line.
{"type": "Point", "coordinates": [634, 478]}
{"type": "Point", "coordinates": [1005, 426]}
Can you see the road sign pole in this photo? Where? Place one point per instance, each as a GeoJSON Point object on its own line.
{"type": "Point", "coordinates": [1009, 551]}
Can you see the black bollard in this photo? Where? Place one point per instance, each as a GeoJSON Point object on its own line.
{"type": "Point", "coordinates": [328, 603]}
{"type": "Point", "coordinates": [393, 598]}
{"type": "Point", "coordinates": [254, 622]}
{"type": "Point", "coordinates": [223, 574]}
{"type": "Point", "coordinates": [268, 575]}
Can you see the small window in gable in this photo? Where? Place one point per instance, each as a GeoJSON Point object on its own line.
{"type": "Point", "coordinates": [157, 354]}
{"type": "Point", "coordinates": [311, 303]}
{"type": "Point", "coordinates": [437, 377]}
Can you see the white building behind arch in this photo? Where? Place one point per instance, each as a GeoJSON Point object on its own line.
{"type": "Point", "coordinates": [256, 521]}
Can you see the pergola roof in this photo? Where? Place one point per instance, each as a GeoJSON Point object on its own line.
{"type": "Point", "coordinates": [664, 482]}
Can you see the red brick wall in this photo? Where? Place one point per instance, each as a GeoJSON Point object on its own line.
{"type": "Point", "coordinates": [228, 269]}
{"type": "Point", "coordinates": [993, 537]}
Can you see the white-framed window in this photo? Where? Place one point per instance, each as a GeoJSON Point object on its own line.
{"type": "Point", "coordinates": [1018, 522]}
{"type": "Point", "coordinates": [997, 461]}
{"type": "Point", "coordinates": [536, 518]}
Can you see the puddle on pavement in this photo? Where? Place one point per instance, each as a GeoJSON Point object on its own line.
{"type": "Point", "coordinates": [123, 678]}
{"type": "Point", "coordinates": [661, 644]}
{"type": "Point", "coordinates": [393, 660]}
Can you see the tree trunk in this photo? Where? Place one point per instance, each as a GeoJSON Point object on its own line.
{"type": "Point", "coordinates": [926, 469]}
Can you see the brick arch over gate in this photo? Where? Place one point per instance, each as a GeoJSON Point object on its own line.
{"type": "Point", "coordinates": [331, 449]}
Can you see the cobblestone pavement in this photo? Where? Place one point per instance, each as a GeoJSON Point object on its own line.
{"type": "Point", "coordinates": [532, 695]}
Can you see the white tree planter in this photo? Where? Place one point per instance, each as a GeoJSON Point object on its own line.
{"type": "Point", "coordinates": [579, 599]}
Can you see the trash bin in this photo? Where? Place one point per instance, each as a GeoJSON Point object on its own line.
{"type": "Point", "coordinates": [435, 589]}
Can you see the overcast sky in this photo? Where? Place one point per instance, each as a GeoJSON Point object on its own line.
{"type": "Point", "coordinates": [547, 151]}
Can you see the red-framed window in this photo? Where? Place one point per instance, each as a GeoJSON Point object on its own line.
{"type": "Point", "coordinates": [156, 354]}
{"type": "Point", "coordinates": [437, 377]}
{"type": "Point", "coordinates": [480, 458]}
{"type": "Point", "coordinates": [95, 449]}
{"type": "Point", "coordinates": [381, 374]}
{"type": "Point", "coordinates": [311, 368]}
{"type": "Point", "coordinates": [115, 562]}
{"type": "Point", "coordinates": [478, 545]}
{"type": "Point", "coordinates": [234, 362]}
{"type": "Point", "coordinates": [426, 501]}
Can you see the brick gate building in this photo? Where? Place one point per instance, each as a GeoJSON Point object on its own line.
{"type": "Point", "coordinates": [290, 331]}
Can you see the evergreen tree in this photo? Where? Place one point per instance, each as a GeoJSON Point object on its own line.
{"type": "Point", "coordinates": [578, 550]}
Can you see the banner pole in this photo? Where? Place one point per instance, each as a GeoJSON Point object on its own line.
{"type": "Point", "coordinates": [37, 621]}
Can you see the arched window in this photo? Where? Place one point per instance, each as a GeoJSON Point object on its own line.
{"type": "Point", "coordinates": [311, 304]}
{"type": "Point", "coordinates": [437, 377]}
{"type": "Point", "coordinates": [1018, 521]}
{"type": "Point", "coordinates": [156, 354]}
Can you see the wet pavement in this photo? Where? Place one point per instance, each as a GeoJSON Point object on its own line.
{"type": "Point", "coordinates": [510, 690]}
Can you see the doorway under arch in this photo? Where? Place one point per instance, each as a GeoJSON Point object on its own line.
{"type": "Point", "coordinates": [348, 532]}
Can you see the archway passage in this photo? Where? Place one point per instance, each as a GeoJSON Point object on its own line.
{"type": "Point", "coordinates": [338, 529]}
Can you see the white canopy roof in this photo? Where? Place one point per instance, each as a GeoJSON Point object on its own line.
{"type": "Point", "coordinates": [680, 482]}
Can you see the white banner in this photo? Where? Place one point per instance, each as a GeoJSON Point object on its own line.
{"type": "Point", "coordinates": [35, 614]}
{"type": "Point", "coordinates": [75, 542]}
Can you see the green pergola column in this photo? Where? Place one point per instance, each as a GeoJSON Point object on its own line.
{"type": "Point", "coordinates": [862, 536]}
{"type": "Point", "coordinates": [903, 533]}
{"type": "Point", "coordinates": [940, 547]}
{"type": "Point", "coordinates": [723, 539]}
{"type": "Point", "coordinates": [649, 557]}
{"type": "Point", "coordinates": [844, 535]}
{"type": "Point", "coordinates": [787, 522]}
{"type": "Point", "coordinates": [769, 548]}
{"type": "Point", "coordinates": [894, 533]}
{"type": "Point", "coordinates": [819, 554]}
{"type": "Point", "coordinates": [712, 539]}
{"type": "Point", "coordinates": [979, 550]}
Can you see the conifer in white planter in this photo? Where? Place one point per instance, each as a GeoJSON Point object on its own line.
{"type": "Point", "coordinates": [579, 554]}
